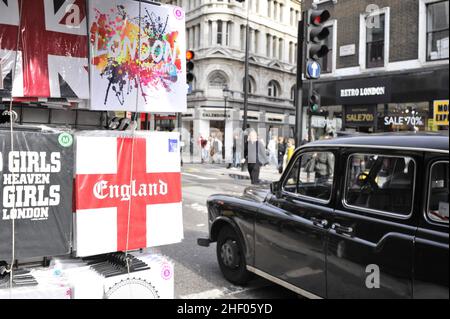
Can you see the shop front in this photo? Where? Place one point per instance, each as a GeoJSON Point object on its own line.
{"type": "Point", "coordinates": [404, 101]}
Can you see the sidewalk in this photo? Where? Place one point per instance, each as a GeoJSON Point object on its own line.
{"type": "Point", "coordinates": [268, 173]}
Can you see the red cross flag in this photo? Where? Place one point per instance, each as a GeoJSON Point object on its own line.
{"type": "Point", "coordinates": [51, 48]}
{"type": "Point", "coordinates": [128, 192]}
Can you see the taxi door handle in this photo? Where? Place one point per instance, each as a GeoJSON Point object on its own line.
{"type": "Point", "coordinates": [341, 229]}
{"type": "Point", "coordinates": [319, 222]}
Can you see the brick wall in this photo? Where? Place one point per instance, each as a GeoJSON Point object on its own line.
{"type": "Point", "coordinates": [403, 27]}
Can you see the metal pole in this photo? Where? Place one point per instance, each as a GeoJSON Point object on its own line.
{"type": "Point", "coordinates": [299, 87]}
{"type": "Point", "coordinates": [224, 129]}
{"type": "Point", "coordinates": [310, 111]}
{"type": "Point", "coordinates": [246, 78]}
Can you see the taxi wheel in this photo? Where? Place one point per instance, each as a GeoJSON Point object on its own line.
{"type": "Point", "coordinates": [231, 257]}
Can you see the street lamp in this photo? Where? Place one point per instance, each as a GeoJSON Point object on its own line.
{"type": "Point", "coordinates": [226, 95]}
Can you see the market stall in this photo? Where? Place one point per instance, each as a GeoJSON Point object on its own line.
{"type": "Point", "coordinates": [71, 184]}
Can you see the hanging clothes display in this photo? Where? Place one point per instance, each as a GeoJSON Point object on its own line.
{"type": "Point", "coordinates": [50, 46]}
{"type": "Point", "coordinates": [36, 182]}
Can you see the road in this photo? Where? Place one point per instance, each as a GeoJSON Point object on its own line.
{"type": "Point", "coordinates": [197, 274]}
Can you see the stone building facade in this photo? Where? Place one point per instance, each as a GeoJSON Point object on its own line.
{"type": "Point", "coordinates": [216, 33]}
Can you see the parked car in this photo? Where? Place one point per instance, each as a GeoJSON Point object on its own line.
{"type": "Point", "coordinates": [355, 217]}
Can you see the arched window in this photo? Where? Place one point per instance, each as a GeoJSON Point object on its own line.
{"type": "Point", "coordinates": [218, 80]}
{"type": "Point", "coordinates": [273, 89]}
{"type": "Point", "coordinates": [293, 92]}
{"type": "Point", "coordinates": [251, 85]}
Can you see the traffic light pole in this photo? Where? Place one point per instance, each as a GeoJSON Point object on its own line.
{"type": "Point", "coordinates": [311, 92]}
{"type": "Point", "coordinates": [299, 87]}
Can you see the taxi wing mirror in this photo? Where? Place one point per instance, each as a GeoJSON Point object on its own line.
{"type": "Point", "coordinates": [275, 188]}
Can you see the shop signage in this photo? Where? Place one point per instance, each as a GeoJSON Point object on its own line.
{"type": "Point", "coordinates": [360, 116]}
{"type": "Point", "coordinates": [441, 112]}
{"type": "Point", "coordinates": [370, 91]}
{"type": "Point", "coordinates": [215, 115]}
{"type": "Point", "coordinates": [36, 193]}
{"type": "Point", "coordinates": [274, 118]}
{"type": "Point", "coordinates": [347, 50]}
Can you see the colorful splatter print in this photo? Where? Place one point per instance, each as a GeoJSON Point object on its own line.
{"type": "Point", "coordinates": [134, 53]}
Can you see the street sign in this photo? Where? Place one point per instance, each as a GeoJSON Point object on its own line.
{"type": "Point", "coordinates": [313, 70]}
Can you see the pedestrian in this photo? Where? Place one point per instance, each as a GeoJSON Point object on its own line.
{"type": "Point", "coordinates": [211, 150]}
{"type": "Point", "coordinates": [204, 146]}
{"type": "Point", "coordinates": [191, 146]}
{"type": "Point", "coordinates": [239, 140]}
{"type": "Point", "coordinates": [216, 149]}
{"type": "Point", "coordinates": [255, 156]}
{"type": "Point", "coordinates": [290, 149]}
{"type": "Point", "coordinates": [281, 150]}
{"type": "Point", "coordinates": [272, 148]}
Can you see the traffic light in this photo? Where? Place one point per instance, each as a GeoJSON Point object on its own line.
{"type": "Point", "coordinates": [317, 33]}
{"type": "Point", "coordinates": [314, 102]}
{"type": "Point", "coordinates": [190, 56]}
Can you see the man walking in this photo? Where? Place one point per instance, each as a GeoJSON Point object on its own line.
{"type": "Point", "coordinates": [255, 156]}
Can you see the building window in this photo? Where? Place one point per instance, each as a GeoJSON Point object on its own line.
{"type": "Point", "coordinates": [273, 89]}
{"type": "Point", "coordinates": [293, 92]}
{"type": "Point", "coordinates": [227, 33]}
{"type": "Point", "coordinates": [210, 41]}
{"type": "Point", "coordinates": [219, 32]}
{"type": "Point", "coordinates": [375, 41]}
{"type": "Point", "coordinates": [243, 35]}
{"type": "Point", "coordinates": [327, 61]}
{"type": "Point", "coordinates": [256, 41]}
{"type": "Point", "coordinates": [280, 49]}
{"type": "Point", "coordinates": [437, 30]}
{"type": "Point", "coordinates": [251, 85]}
{"type": "Point", "coordinates": [275, 10]}
{"type": "Point", "coordinates": [274, 47]}
{"type": "Point", "coordinates": [291, 52]}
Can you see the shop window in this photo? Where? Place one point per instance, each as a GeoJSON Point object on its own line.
{"type": "Point", "coordinates": [375, 41]}
{"type": "Point", "coordinates": [438, 193]}
{"type": "Point", "coordinates": [404, 117]}
{"type": "Point", "coordinates": [380, 183]}
{"type": "Point", "coordinates": [437, 30]}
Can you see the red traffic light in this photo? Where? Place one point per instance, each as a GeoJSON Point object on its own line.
{"type": "Point", "coordinates": [190, 55]}
{"type": "Point", "coordinates": [318, 17]}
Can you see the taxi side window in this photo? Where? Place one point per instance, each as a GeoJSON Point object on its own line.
{"type": "Point", "coordinates": [312, 176]}
{"type": "Point", "coordinates": [380, 183]}
{"type": "Point", "coordinates": [438, 193]}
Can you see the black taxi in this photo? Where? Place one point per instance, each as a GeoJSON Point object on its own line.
{"type": "Point", "coordinates": [355, 217]}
